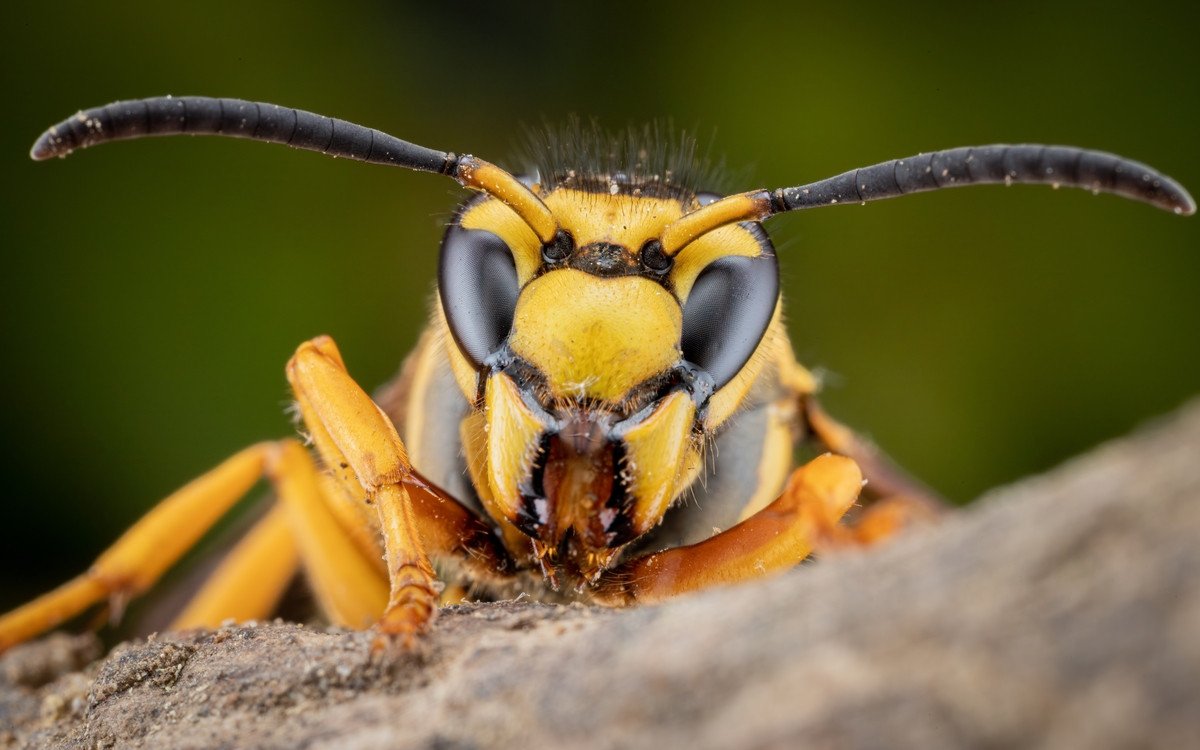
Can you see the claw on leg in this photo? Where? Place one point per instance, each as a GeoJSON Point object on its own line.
{"type": "Point", "coordinates": [776, 538]}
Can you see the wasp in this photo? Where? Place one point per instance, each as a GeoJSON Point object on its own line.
{"type": "Point", "coordinates": [605, 405]}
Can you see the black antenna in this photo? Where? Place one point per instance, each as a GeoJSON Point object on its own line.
{"type": "Point", "coordinates": [237, 118]}
{"type": "Point", "coordinates": [1067, 166]}
{"type": "Point", "coordinates": [1097, 171]}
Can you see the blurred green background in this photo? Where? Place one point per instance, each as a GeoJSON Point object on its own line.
{"type": "Point", "coordinates": [152, 291]}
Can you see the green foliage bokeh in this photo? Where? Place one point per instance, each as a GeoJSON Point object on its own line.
{"type": "Point", "coordinates": [153, 290]}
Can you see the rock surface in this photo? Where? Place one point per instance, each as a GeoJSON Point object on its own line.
{"type": "Point", "coordinates": [1060, 612]}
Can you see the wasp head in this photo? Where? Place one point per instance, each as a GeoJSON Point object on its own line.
{"type": "Point", "coordinates": [598, 364]}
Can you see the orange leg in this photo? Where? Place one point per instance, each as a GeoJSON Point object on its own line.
{"type": "Point", "coordinates": [884, 519]}
{"type": "Point", "coordinates": [349, 588]}
{"type": "Point", "coordinates": [319, 521]}
{"type": "Point", "coordinates": [339, 527]}
{"type": "Point", "coordinates": [776, 538]}
{"type": "Point", "coordinates": [357, 440]}
{"type": "Point", "coordinates": [145, 551]}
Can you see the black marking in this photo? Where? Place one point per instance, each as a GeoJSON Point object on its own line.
{"type": "Point", "coordinates": [618, 529]}
{"type": "Point", "coordinates": [606, 260]}
{"type": "Point", "coordinates": [530, 381]}
{"type": "Point", "coordinates": [533, 515]}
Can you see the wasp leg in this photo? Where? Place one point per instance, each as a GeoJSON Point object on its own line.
{"type": "Point", "coordinates": [880, 521]}
{"type": "Point", "coordinates": [349, 587]}
{"type": "Point", "coordinates": [776, 538]}
{"type": "Point", "coordinates": [145, 551]}
{"type": "Point", "coordinates": [250, 580]}
{"type": "Point", "coordinates": [449, 531]}
{"type": "Point", "coordinates": [338, 550]}
{"type": "Point", "coordinates": [359, 443]}
{"type": "Point", "coordinates": [453, 535]}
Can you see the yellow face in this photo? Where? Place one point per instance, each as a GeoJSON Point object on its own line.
{"type": "Point", "coordinates": [596, 338]}
{"type": "Point", "coordinates": [591, 425]}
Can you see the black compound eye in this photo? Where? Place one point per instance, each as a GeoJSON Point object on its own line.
{"type": "Point", "coordinates": [478, 284]}
{"type": "Point", "coordinates": [727, 313]}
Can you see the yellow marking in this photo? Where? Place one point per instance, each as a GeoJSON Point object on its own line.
{"type": "Point", "coordinates": [594, 337]}
{"type": "Point", "coordinates": [495, 217]}
{"type": "Point", "coordinates": [624, 220]}
{"type": "Point", "coordinates": [513, 438]}
{"type": "Point", "coordinates": [428, 357]}
{"type": "Point", "coordinates": [473, 434]}
{"type": "Point", "coordinates": [460, 367]}
{"type": "Point", "coordinates": [693, 464]}
{"type": "Point", "coordinates": [654, 458]}
{"type": "Point", "coordinates": [751, 206]}
{"type": "Point", "coordinates": [717, 244]}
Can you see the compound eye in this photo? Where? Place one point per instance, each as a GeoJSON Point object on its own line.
{"type": "Point", "coordinates": [727, 312]}
{"type": "Point", "coordinates": [478, 284]}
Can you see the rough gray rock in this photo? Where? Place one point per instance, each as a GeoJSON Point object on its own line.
{"type": "Point", "coordinates": [1060, 612]}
